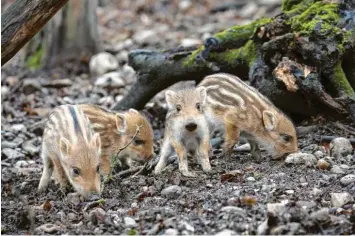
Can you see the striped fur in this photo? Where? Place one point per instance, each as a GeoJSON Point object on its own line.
{"type": "Point", "coordinates": [116, 135]}
{"type": "Point", "coordinates": [71, 149]}
{"type": "Point", "coordinates": [234, 106]}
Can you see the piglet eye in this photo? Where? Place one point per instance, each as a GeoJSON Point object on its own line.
{"type": "Point", "coordinates": [98, 169]}
{"type": "Point", "coordinates": [178, 107]}
{"type": "Point", "coordinates": [198, 106]}
{"type": "Point", "coordinates": [76, 171]}
{"type": "Point", "coordinates": [285, 137]}
{"type": "Point", "coordinates": [138, 142]}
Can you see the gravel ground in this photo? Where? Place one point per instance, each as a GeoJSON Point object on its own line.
{"type": "Point", "coordinates": [308, 193]}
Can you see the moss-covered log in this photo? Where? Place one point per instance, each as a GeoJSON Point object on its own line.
{"type": "Point", "coordinates": [300, 59]}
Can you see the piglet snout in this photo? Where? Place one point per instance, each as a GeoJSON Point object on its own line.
{"type": "Point", "coordinates": [191, 126]}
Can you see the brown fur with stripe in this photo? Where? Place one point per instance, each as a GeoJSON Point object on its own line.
{"type": "Point", "coordinates": [237, 107]}
{"type": "Point", "coordinates": [116, 130]}
{"type": "Point", "coordinates": [71, 151]}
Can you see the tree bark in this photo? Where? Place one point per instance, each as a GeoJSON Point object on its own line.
{"type": "Point", "coordinates": [299, 59]}
{"type": "Point", "coordinates": [22, 20]}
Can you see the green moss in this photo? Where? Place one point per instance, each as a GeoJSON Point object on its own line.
{"type": "Point", "coordinates": [295, 7]}
{"type": "Point", "coordinates": [34, 61]}
{"type": "Point", "coordinates": [340, 81]}
{"type": "Point", "coordinates": [132, 232]}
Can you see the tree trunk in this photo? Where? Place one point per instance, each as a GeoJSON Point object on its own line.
{"type": "Point", "coordinates": [301, 60]}
{"type": "Point", "coordinates": [72, 35]}
{"type": "Point", "coordinates": [21, 21]}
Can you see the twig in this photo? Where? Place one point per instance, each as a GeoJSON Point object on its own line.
{"type": "Point", "coordinates": [141, 170]}
{"type": "Point", "coordinates": [129, 171]}
{"type": "Point", "coordinates": [114, 159]}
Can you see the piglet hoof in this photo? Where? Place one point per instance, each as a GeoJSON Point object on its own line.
{"type": "Point", "coordinates": [207, 168]}
{"type": "Point", "coordinates": [189, 174]}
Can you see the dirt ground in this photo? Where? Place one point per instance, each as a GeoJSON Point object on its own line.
{"type": "Point", "coordinates": [240, 196]}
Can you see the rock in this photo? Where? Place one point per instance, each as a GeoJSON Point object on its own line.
{"type": "Point", "coordinates": [262, 228]}
{"type": "Point", "coordinates": [323, 164]}
{"type": "Point", "coordinates": [318, 154]}
{"type": "Point", "coordinates": [71, 216]}
{"type": "Point", "coordinates": [347, 179]}
{"type": "Point", "coordinates": [184, 4]}
{"type": "Point", "coordinates": [42, 111]}
{"type": "Point", "coordinates": [102, 63]}
{"type": "Point", "coordinates": [4, 91]}
{"type": "Point", "coordinates": [301, 158]}
{"type": "Point", "coordinates": [172, 232]}
{"type": "Point", "coordinates": [122, 56]}
{"type": "Point", "coordinates": [7, 144]}
{"type": "Point", "coordinates": [316, 191]}
{"type": "Point", "coordinates": [48, 228]}
{"type": "Point", "coordinates": [58, 83]}
{"type": "Point", "coordinates": [190, 43]}
{"type": "Point", "coordinates": [171, 191]}
{"type": "Point", "coordinates": [276, 208]}
{"type": "Point", "coordinates": [183, 225]}
{"type": "Point", "coordinates": [96, 215]}
{"type": "Point", "coordinates": [320, 215]}
{"type": "Point", "coordinates": [337, 170]}
{"type": "Point", "coordinates": [226, 232]}
{"type": "Point", "coordinates": [18, 128]}
{"type": "Point", "coordinates": [28, 147]}
{"type": "Point", "coordinates": [118, 98]}
{"type": "Point", "coordinates": [30, 86]}
{"type": "Point", "coordinates": [233, 209]}
{"type": "Point", "coordinates": [290, 192]}
{"type": "Point", "coordinates": [22, 163]}
{"type": "Point", "coordinates": [129, 222]}
{"type": "Point", "coordinates": [250, 179]}
{"type": "Point", "coordinates": [11, 153]}
{"type": "Point", "coordinates": [340, 147]}
{"type": "Point", "coordinates": [148, 37]}
{"type": "Point", "coordinates": [110, 80]}
{"type": "Point", "coordinates": [340, 199]}
{"type": "Point", "coordinates": [73, 198]}
{"type": "Point", "coordinates": [306, 204]}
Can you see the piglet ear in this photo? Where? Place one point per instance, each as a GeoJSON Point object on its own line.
{"type": "Point", "coordinates": [203, 93]}
{"type": "Point", "coordinates": [96, 142]}
{"type": "Point", "coordinates": [269, 120]}
{"type": "Point", "coordinates": [121, 124]}
{"type": "Point", "coordinates": [133, 110]}
{"type": "Point", "coordinates": [169, 97]}
{"type": "Point", "coordinates": [65, 147]}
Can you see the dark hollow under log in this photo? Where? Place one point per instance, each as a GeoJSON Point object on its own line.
{"type": "Point", "coordinates": [300, 59]}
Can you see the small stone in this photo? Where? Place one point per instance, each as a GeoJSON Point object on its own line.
{"type": "Point", "coordinates": [129, 222]}
{"type": "Point", "coordinates": [186, 226]}
{"type": "Point", "coordinates": [73, 198]}
{"type": "Point", "coordinates": [347, 179]}
{"type": "Point", "coordinates": [186, 43]}
{"type": "Point", "coordinates": [301, 158]}
{"type": "Point", "coordinates": [97, 215]}
{"type": "Point", "coordinates": [12, 154]}
{"type": "Point", "coordinates": [262, 228]}
{"type": "Point", "coordinates": [22, 163]}
{"type": "Point", "coordinates": [337, 170]}
{"type": "Point", "coordinates": [344, 166]}
{"type": "Point", "coordinates": [71, 216]}
{"type": "Point", "coordinates": [226, 232]}
{"type": "Point", "coordinates": [148, 37]}
{"type": "Point", "coordinates": [28, 147]}
{"type": "Point", "coordinates": [340, 147]}
{"type": "Point", "coordinates": [318, 154]}
{"type": "Point", "coordinates": [48, 228]}
{"type": "Point", "coordinates": [233, 209]}
{"type": "Point", "coordinates": [171, 232]}
{"type": "Point", "coordinates": [122, 56]}
{"type": "Point", "coordinates": [18, 128]}
{"type": "Point", "coordinates": [31, 86]}
{"type": "Point", "coordinates": [184, 4]}
{"type": "Point", "coordinates": [340, 199]}
{"type": "Point", "coordinates": [4, 91]}
{"type": "Point", "coordinates": [102, 63]}
{"type": "Point", "coordinates": [250, 179]}
{"type": "Point", "coordinates": [320, 215]}
{"type": "Point", "coordinates": [276, 208]}
{"type": "Point", "coordinates": [118, 98]}
{"type": "Point", "coordinates": [7, 144]}
{"type": "Point", "coordinates": [323, 164]}
{"type": "Point", "coordinates": [110, 80]}
{"type": "Point", "coordinates": [306, 204]}
{"type": "Point", "coordinates": [171, 191]}
{"type": "Point", "coordinates": [58, 83]}
{"type": "Point", "coordinates": [290, 192]}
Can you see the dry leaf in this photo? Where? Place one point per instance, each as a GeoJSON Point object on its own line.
{"type": "Point", "coordinates": [47, 205]}
{"type": "Point", "coordinates": [248, 200]}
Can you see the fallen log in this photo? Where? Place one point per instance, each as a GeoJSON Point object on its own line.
{"type": "Point", "coordinates": [299, 59]}
{"type": "Point", "coordinates": [23, 20]}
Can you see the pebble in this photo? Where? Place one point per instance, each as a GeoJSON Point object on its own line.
{"type": "Point", "coordinates": [184, 4]}
{"type": "Point", "coordinates": [320, 215]}
{"type": "Point", "coordinates": [71, 216]}
{"type": "Point", "coordinates": [22, 163]}
{"type": "Point", "coordinates": [110, 80]}
{"type": "Point", "coordinates": [73, 198]}
{"type": "Point", "coordinates": [340, 199]}
{"type": "Point", "coordinates": [191, 43]}
{"type": "Point", "coordinates": [30, 86]}
{"type": "Point", "coordinates": [290, 192]}
{"type": "Point", "coordinates": [19, 128]}
{"type": "Point", "coordinates": [233, 209]}
{"type": "Point", "coordinates": [318, 154]}
{"type": "Point", "coordinates": [4, 91]}
{"type": "Point", "coordinates": [171, 191]}
{"type": "Point", "coordinates": [301, 158]}
{"type": "Point", "coordinates": [96, 215]}
{"type": "Point", "coordinates": [58, 83]}
{"type": "Point", "coordinates": [340, 147]}
{"type": "Point", "coordinates": [250, 179]}
{"type": "Point", "coordinates": [122, 56]}
{"type": "Point", "coordinates": [275, 208]}
{"type": "Point", "coordinates": [146, 37]}
{"type": "Point", "coordinates": [48, 228]}
{"type": "Point", "coordinates": [11, 153]}
{"type": "Point", "coordinates": [337, 170]}
{"type": "Point", "coordinates": [28, 147]}
{"type": "Point", "coordinates": [306, 204]}
{"type": "Point", "coordinates": [323, 164]}
{"type": "Point", "coordinates": [262, 228]}
{"type": "Point", "coordinates": [226, 232]}
{"type": "Point", "coordinates": [347, 179]}
{"type": "Point", "coordinates": [7, 144]}
{"type": "Point", "coordinates": [130, 222]}
{"type": "Point", "coordinates": [172, 232]}
{"type": "Point", "coordinates": [102, 63]}
{"type": "Point", "coordinates": [186, 226]}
